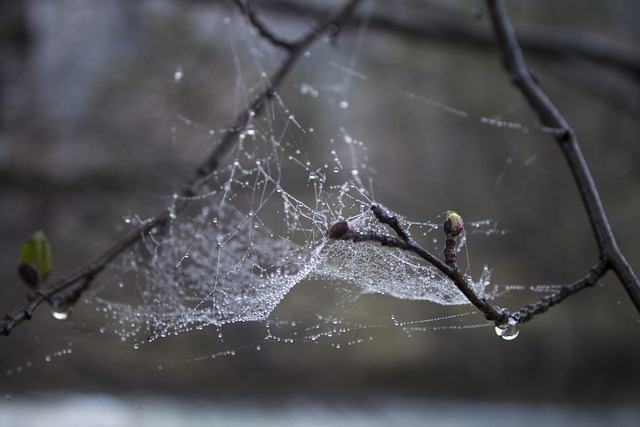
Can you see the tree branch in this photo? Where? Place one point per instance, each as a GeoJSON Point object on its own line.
{"type": "Point", "coordinates": [550, 117]}
{"type": "Point", "coordinates": [502, 318]}
{"type": "Point", "coordinates": [527, 313]}
{"type": "Point", "coordinates": [246, 9]}
{"type": "Point", "coordinates": [547, 41]}
{"type": "Point", "coordinates": [91, 270]}
{"type": "Point", "coordinates": [342, 231]}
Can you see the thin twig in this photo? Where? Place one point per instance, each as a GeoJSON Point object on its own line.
{"type": "Point", "coordinates": [495, 314]}
{"type": "Point", "coordinates": [91, 270]}
{"type": "Point", "coordinates": [550, 117]}
{"type": "Point", "coordinates": [392, 221]}
{"type": "Point", "coordinates": [342, 230]}
{"type": "Point", "coordinates": [527, 313]}
{"type": "Point", "coordinates": [246, 9]}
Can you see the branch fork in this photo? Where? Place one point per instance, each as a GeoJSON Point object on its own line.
{"type": "Point", "coordinates": [507, 323]}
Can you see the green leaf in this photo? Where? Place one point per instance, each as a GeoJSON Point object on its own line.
{"type": "Point", "coordinates": [35, 257]}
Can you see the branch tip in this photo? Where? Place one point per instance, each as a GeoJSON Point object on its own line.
{"type": "Point", "coordinates": [453, 225]}
{"type": "Point", "coordinates": [339, 230]}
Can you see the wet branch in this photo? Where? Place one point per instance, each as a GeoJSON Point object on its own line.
{"type": "Point", "coordinates": [344, 231]}
{"type": "Point", "coordinates": [610, 255]}
{"type": "Point", "coordinates": [77, 281]}
{"type": "Point", "coordinates": [527, 313]}
{"type": "Point", "coordinates": [453, 227]}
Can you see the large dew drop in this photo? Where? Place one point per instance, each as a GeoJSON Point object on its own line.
{"type": "Point", "coordinates": [509, 330]}
{"type": "Point", "coordinates": [61, 314]}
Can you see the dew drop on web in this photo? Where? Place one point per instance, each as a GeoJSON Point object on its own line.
{"type": "Point", "coordinates": [178, 74]}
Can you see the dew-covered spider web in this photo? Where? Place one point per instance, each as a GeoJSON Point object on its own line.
{"type": "Point", "coordinates": [251, 239]}
{"type": "Point", "coordinates": [257, 226]}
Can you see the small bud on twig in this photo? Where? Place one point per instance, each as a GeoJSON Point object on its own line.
{"type": "Point", "coordinates": [453, 225]}
{"type": "Point", "coordinates": [339, 229]}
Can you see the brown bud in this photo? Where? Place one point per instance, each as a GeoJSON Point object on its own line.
{"type": "Point", "coordinates": [339, 229]}
{"type": "Point", "coordinates": [453, 225]}
{"type": "Point", "coordinates": [29, 275]}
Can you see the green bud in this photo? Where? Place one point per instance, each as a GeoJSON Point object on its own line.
{"type": "Point", "coordinates": [35, 259]}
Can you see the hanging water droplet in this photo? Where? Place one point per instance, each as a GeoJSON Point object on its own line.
{"type": "Point", "coordinates": [344, 104]}
{"type": "Point", "coordinates": [509, 330]}
{"type": "Point", "coordinates": [61, 313]}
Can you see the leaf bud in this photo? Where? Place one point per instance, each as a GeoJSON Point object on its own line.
{"type": "Point", "coordinates": [453, 225]}
{"type": "Point", "coordinates": [339, 229]}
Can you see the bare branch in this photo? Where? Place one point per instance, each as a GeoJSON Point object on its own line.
{"type": "Point", "coordinates": [246, 8]}
{"type": "Point", "coordinates": [527, 313]}
{"type": "Point", "coordinates": [495, 314]}
{"type": "Point", "coordinates": [91, 270]}
{"type": "Point", "coordinates": [501, 317]}
{"type": "Point", "coordinates": [521, 76]}
{"type": "Point", "coordinates": [543, 41]}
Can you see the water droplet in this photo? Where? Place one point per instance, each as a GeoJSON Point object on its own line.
{"type": "Point", "coordinates": [61, 313]}
{"type": "Point", "coordinates": [509, 330]}
{"type": "Point", "coordinates": [178, 74]}
{"type": "Point", "coordinates": [354, 172]}
{"type": "Point", "coordinates": [344, 104]}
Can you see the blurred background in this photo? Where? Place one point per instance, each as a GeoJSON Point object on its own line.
{"type": "Point", "coordinates": [105, 112]}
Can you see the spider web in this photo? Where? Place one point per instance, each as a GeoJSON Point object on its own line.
{"type": "Point", "coordinates": [257, 229]}
{"type": "Point", "coordinates": [250, 240]}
